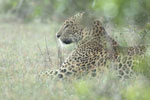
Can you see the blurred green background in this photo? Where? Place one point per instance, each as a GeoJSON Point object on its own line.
{"type": "Point", "coordinates": [119, 11]}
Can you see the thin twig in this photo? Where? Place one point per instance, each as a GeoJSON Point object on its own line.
{"type": "Point", "coordinates": [40, 50]}
{"type": "Point", "coordinates": [47, 50]}
{"type": "Point", "coordinates": [41, 53]}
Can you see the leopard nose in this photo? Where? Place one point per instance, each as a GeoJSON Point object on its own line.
{"type": "Point", "coordinates": [58, 35]}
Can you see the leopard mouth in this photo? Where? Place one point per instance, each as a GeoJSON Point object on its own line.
{"type": "Point", "coordinates": [67, 41]}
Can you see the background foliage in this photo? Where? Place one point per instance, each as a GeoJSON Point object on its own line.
{"type": "Point", "coordinates": [120, 11]}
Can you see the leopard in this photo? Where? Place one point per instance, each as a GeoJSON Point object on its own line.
{"type": "Point", "coordinates": [95, 51]}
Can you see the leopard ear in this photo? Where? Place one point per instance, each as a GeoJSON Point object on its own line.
{"type": "Point", "coordinates": [78, 17]}
{"type": "Point", "coordinates": [98, 27]}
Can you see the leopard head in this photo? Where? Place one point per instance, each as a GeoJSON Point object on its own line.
{"type": "Point", "coordinates": [71, 30]}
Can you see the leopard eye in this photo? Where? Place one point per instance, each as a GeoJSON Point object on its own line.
{"type": "Point", "coordinates": [66, 26]}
